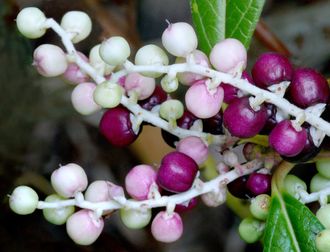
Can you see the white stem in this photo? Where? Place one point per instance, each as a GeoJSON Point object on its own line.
{"type": "Point", "coordinates": [196, 190]}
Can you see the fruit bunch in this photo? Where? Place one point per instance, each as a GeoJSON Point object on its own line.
{"type": "Point", "coordinates": [222, 105]}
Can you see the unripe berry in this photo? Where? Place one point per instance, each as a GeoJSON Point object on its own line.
{"type": "Point", "coordinates": [57, 216]}
{"type": "Point", "coordinates": [139, 84]}
{"type": "Point", "coordinates": [115, 50]}
{"type": "Point", "coordinates": [193, 147]}
{"type": "Point", "coordinates": [250, 230]}
{"type": "Point", "coordinates": [202, 102]}
{"type": "Point", "coordinates": [82, 99]}
{"type": "Point", "coordinates": [229, 56]}
{"type": "Point", "coordinates": [23, 200]}
{"type": "Point", "coordinates": [108, 95]}
{"type": "Point", "coordinates": [102, 190]}
{"type": "Point", "coordinates": [167, 228]}
{"type": "Point", "coordinates": [31, 22]}
{"type": "Point", "coordinates": [139, 180]}
{"type": "Point", "coordinates": [135, 218]}
{"type": "Point", "coordinates": [68, 180]}
{"type": "Point", "coordinates": [84, 227]}
{"type": "Point", "coordinates": [323, 214]}
{"type": "Point", "coordinates": [49, 60]}
{"type": "Point", "coordinates": [179, 39]}
{"type": "Point", "coordinates": [78, 24]}
{"type": "Point", "coordinates": [260, 206]}
{"type": "Point", "coordinates": [151, 55]}
{"type": "Point", "coordinates": [322, 241]}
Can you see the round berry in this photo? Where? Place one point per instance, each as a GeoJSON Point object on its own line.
{"type": "Point", "coordinates": [229, 56]}
{"type": "Point", "coordinates": [57, 216]}
{"type": "Point", "coordinates": [23, 200]}
{"type": "Point", "coordinates": [286, 140]}
{"type": "Point", "coordinates": [78, 24]}
{"type": "Point", "coordinates": [271, 68]}
{"type": "Point", "coordinates": [84, 227]}
{"type": "Point", "coordinates": [308, 87]}
{"type": "Point", "coordinates": [250, 230]}
{"type": "Point", "coordinates": [31, 22]}
{"type": "Point", "coordinates": [69, 179]}
{"type": "Point", "coordinates": [177, 172]}
{"type": "Point", "coordinates": [259, 183]}
{"type": "Point", "coordinates": [260, 206]}
{"type": "Point", "coordinates": [322, 241]}
{"type": "Point", "coordinates": [139, 180]}
{"type": "Point", "coordinates": [167, 228]}
{"type": "Point", "coordinates": [50, 60]}
{"type": "Point", "coordinates": [135, 218]}
{"type": "Point", "coordinates": [116, 127]}
{"type": "Point", "coordinates": [82, 98]}
{"type": "Point", "coordinates": [241, 120]}
{"type": "Point", "coordinates": [202, 102]}
{"type": "Point", "coordinates": [193, 147]}
{"type": "Point", "coordinates": [179, 39]}
{"type": "Point", "coordinates": [115, 50]}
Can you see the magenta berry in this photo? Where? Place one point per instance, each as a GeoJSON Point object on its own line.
{"type": "Point", "coordinates": [259, 183]}
{"type": "Point", "coordinates": [271, 68]}
{"type": "Point", "coordinates": [202, 102]}
{"type": "Point", "coordinates": [241, 120]}
{"type": "Point", "coordinates": [177, 172]}
{"type": "Point", "coordinates": [286, 140]}
{"type": "Point", "coordinates": [156, 98]}
{"type": "Point", "coordinates": [116, 127]}
{"type": "Point", "coordinates": [194, 147]}
{"type": "Point", "coordinates": [139, 180]}
{"type": "Point", "coordinates": [167, 227]}
{"type": "Point", "coordinates": [308, 87]}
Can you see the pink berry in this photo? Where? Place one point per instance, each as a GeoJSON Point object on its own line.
{"type": "Point", "coordinates": [193, 147]}
{"type": "Point", "coordinates": [202, 102]}
{"type": "Point", "coordinates": [143, 86]}
{"type": "Point", "coordinates": [167, 228]}
{"type": "Point", "coordinates": [73, 73]}
{"type": "Point", "coordinates": [139, 180]}
{"type": "Point", "coordinates": [82, 98]}
{"type": "Point", "coordinates": [229, 56]}
{"type": "Point", "coordinates": [84, 227]}
{"type": "Point", "coordinates": [69, 179]}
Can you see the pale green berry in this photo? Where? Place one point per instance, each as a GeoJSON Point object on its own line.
{"type": "Point", "coordinates": [323, 214]}
{"type": "Point", "coordinates": [24, 200]}
{"type": "Point", "coordinates": [318, 183]}
{"type": "Point", "coordinates": [251, 230]}
{"type": "Point", "coordinates": [31, 22]}
{"type": "Point", "coordinates": [108, 95]}
{"type": "Point", "coordinates": [57, 216]}
{"type": "Point", "coordinates": [151, 55]}
{"type": "Point", "coordinates": [323, 167]}
{"type": "Point", "coordinates": [115, 50]}
{"type": "Point", "coordinates": [78, 24]}
{"type": "Point", "coordinates": [260, 206]}
{"type": "Point", "coordinates": [168, 84]}
{"type": "Point", "coordinates": [171, 109]}
{"type": "Point", "coordinates": [322, 241]}
{"type": "Point", "coordinates": [293, 184]}
{"type": "Point", "coordinates": [134, 218]}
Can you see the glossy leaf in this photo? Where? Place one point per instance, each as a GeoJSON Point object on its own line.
{"type": "Point", "coordinates": [209, 17]}
{"type": "Point", "coordinates": [291, 226]}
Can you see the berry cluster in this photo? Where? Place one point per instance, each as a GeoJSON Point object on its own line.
{"type": "Point", "coordinates": [220, 106]}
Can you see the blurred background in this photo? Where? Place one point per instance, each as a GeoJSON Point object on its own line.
{"type": "Point", "coordinates": [40, 130]}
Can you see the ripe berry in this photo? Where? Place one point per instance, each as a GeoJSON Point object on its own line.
{"type": "Point", "coordinates": [308, 87]}
{"type": "Point", "coordinates": [259, 183]}
{"type": "Point", "coordinates": [116, 127]}
{"type": "Point", "coordinates": [286, 140]}
{"type": "Point", "coordinates": [177, 172]}
{"type": "Point", "coordinates": [167, 228]}
{"type": "Point", "coordinates": [271, 68]}
{"type": "Point", "coordinates": [241, 120]}
{"type": "Point", "coordinates": [156, 98]}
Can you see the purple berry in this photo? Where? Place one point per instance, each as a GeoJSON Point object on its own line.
{"type": "Point", "coordinates": [238, 188]}
{"type": "Point", "coordinates": [308, 87]}
{"type": "Point", "coordinates": [157, 97]}
{"type": "Point", "coordinates": [241, 120]}
{"type": "Point", "coordinates": [213, 125]}
{"type": "Point", "coordinates": [271, 68]}
{"type": "Point", "coordinates": [177, 172]}
{"type": "Point", "coordinates": [116, 127]}
{"type": "Point", "coordinates": [286, 140]}
{"type": "Point", "coordinates": [259, 183]}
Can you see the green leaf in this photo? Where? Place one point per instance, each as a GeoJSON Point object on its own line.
{"type": "Point", "coordinates": [209, 17]}
{"type": "Point", "coordinates": [242, 18]}
{"type": "Point", "coordinates": [291, 226]}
